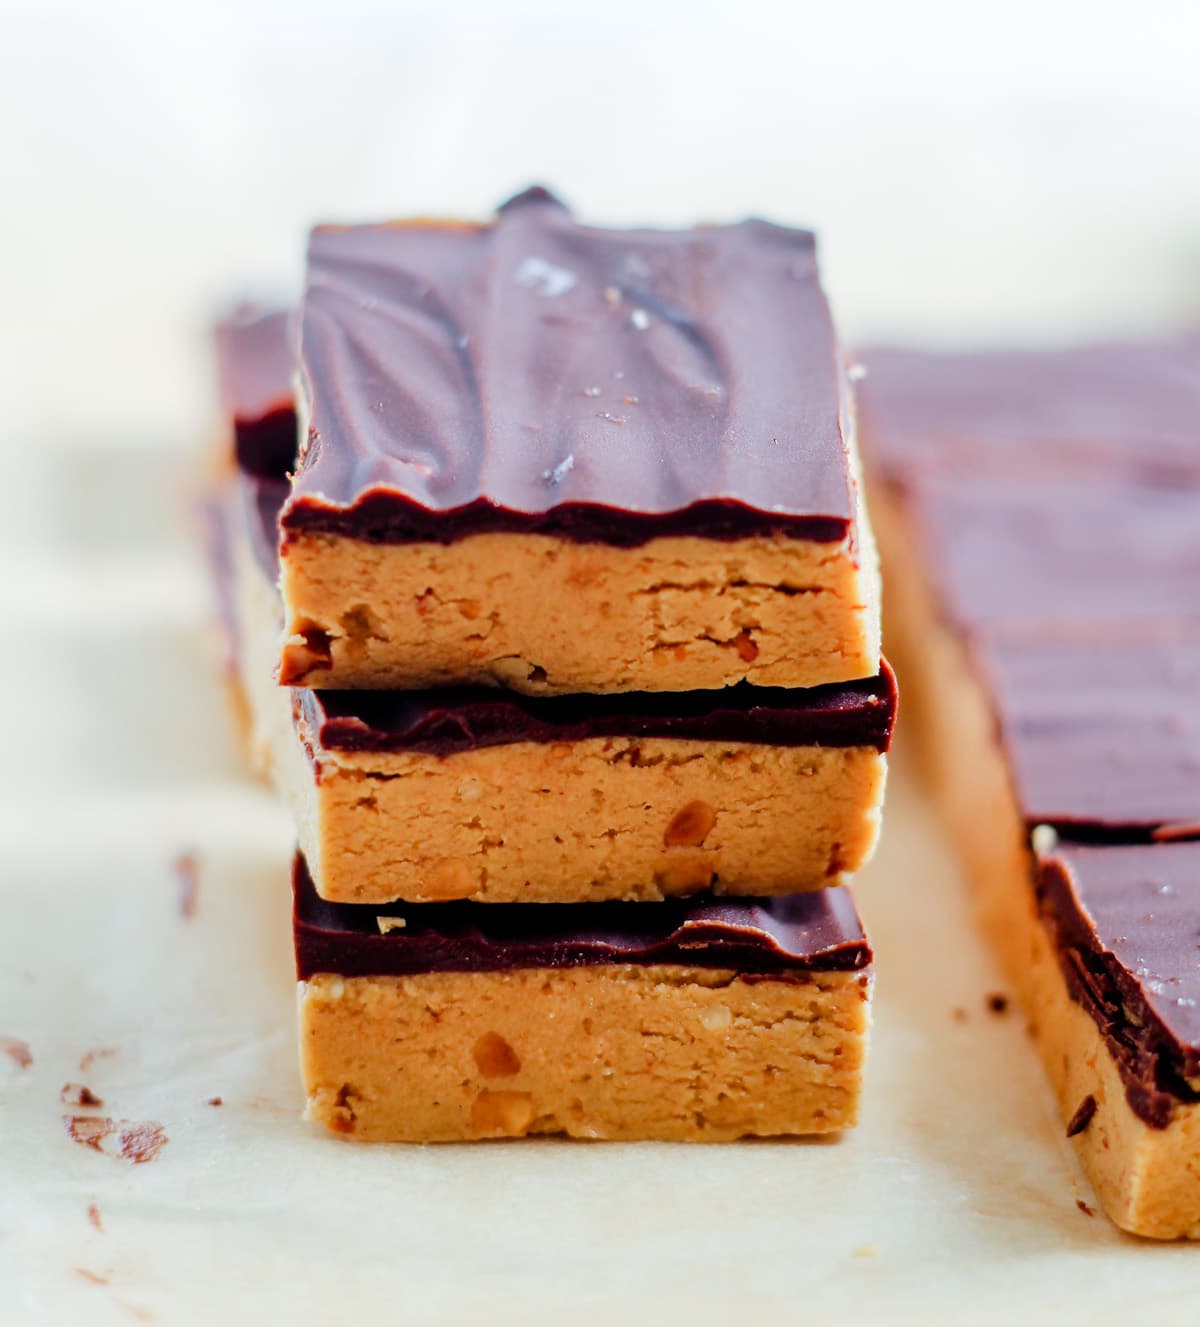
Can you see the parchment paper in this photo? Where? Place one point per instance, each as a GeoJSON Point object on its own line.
{"type": "Point", "coordinates": [956, 1201]}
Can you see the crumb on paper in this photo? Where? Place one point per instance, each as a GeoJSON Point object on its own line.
{"type": "Point", "coordinates": [1084, 1208]}
{"type": "Point", "coordinates": [142, 1142]}
{"type": "Point", "coordinates": [89, 1058]}
{"type": "Point", "coordinates": [134, 1310]}
{"type": "Point", "coordinates": [187, 874]}
{"type": "Point", "coordinates": [864, 1251]}
{"type": "Point", "coordinates": [997, 1003]}
{"type": "Point", "coordinates": [93, 1215]}
{"type": "Point", "coordinates": [137, 1141]}
{"type": "Point", "coordinates": [215, 1101]}
{"type": "Point", "coordinates": [89, 1130]}
{"type": "Point", "coordinates": [959, 1014]}
{"type": "Point", "coordinates": [17, 1051]}
{"type": "Point", "coordinates": [93, 1278]}
{"type": "Point", "coordinates": [79, 1094]}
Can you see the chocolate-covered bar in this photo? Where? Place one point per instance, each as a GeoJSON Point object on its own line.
{"type": "Point", "coordinates": [1042, 546]}
{"type": "Point", "coordinates": [473, 792]}
{"type": "Point", "coordinates": [696, 1020]}
{"type": "Point", "coordinates": [564, 459]}
{"type": "Point", "coordinates": [256, 365]}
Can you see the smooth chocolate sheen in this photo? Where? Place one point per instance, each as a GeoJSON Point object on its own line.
{"type": "Point", "coordinates": [535, 375]}
{"type": "Point", "coordinates": [1103, 740]}
{"type": "Point", "coordinates": [1126, 921]}
{"type": "Point", "coordinates": [814, 932]}
{"type": "Point", "coordinates": [1124, 406]}
{"type": "Point", "coordinates": [256, 364]}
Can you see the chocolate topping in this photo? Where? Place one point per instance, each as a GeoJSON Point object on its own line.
{"type": "Point", "coordinates": [255, 366]}
{"type": "Point", "coordinates": [1126, 921]}
{"type": "Point", "coordinates": [536, 375]}
{"type": "Point", "coordinates": [1103, 743]}
{"type": "Point", "coordinates": [1117, 406]}
{"type": "Point", "coordinates": [463, 718]}
{"type": "Point", "coordinates": [816, 932]}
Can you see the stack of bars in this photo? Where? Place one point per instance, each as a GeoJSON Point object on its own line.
{"type": "Point", "coordinates": [1040, 521]}
{"type": "Point", "coordinates": [559, 634]}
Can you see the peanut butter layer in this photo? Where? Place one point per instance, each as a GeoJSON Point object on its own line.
{"type": "Point", "coordinates": [701, 1021]}
{"type": "Point", "coordinates": [475, 794]}
{"type": "Point", "coordinates": [563, 459]}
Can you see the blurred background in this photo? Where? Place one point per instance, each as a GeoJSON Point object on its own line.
{"type": "Point", "coordinates": [1025, 171]}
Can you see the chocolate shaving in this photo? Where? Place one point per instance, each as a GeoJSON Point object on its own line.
{"type": "Point", "coordinates": [17, 1051]}
{"type": "Point", "coordinates": [997, 1003]}
{"type": "Point", "coordinates": [215, 1101]}
{"type": "Point", "coordinates": [76, 1094]}
{"type": "Point", "coordinates": [141, 1142]}
{"type": "Point", "coordinates": [1082, 1117]}
{"type": "Point", "coordinates": [137, 1141]}
{"type": "Point", "coordinates": [1084, 1208]}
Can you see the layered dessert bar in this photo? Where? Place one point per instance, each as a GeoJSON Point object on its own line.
{"type": "Point", "coordinates": [1043, 614]}
{"type": "Point", "coordinates": [473, 792]}
{"type": "Point", "coordinates": [687, 1021]}
{"type": "Point", "coordinates": [562, 459]}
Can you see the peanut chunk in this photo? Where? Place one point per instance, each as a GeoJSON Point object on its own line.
{"type": "Point", "coordinates": [494, 1057]}
{"type": "Point", "coordinates": [684, 877]}
{"type": "Point", "coordinates": [449, 878]}
{"type": "Point", "coordinates": [690, 825]}
{"type": "Point", "coordinates": [501, 1113]}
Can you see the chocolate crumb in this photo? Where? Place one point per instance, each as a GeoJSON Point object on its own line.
{"type": "Point", "coordinates": [959, 1014]}
{"type": "Point", "coordinates": [187, 873]}
{"type": "Point", "coordinates": [215, 1101]}
{"type": "Point", "coordinates": [137, 1141]}
{"type": "Point", "coordinates": [76, 1094]}
{"type": "Point", "coordinates": [1084, 1208]}
{"type": "Point", "coordinates": [141, 1142]}
{"type": "Point", "coordinates": [1082, 1117]}
{"type": "Point", "coordinates": [17, 1051]}
{"type": "Point", "coordinates": [94, 1277]}
{"type": "Point", "coordinates": [89, 1058]}
{"type": "Point", "coordinates": [997, 1003]}
{"type": "Point", "coordinates": [93, 1213]}
{"type": "Point", "coordinates": [89, 1130]}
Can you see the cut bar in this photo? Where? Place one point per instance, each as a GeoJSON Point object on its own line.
{"type": "Point", "coordinates": [484, 794]}
{"type": "Point", "coordinates": [696, 1021]}
{"type": "Point", "coordinates": [1042, 610]}
{"type": "Point", "coordinates": [563, 459]}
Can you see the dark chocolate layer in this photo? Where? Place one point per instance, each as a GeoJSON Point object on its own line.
{"type": "Point", "coordinates": [536, 375]}
{"type": "Point", "coordinates": [1126, 921]}
{"type": "Point", "coordinates": [445, 720]}
{"type": "Point", "coordinates": [1127, 407]}
{"type": "Point", "coordinates": [814, 932]}
{"type": "Point", "coordinates": [1103, 741]}
{"type": "Point", "coordinates": [256, 363]}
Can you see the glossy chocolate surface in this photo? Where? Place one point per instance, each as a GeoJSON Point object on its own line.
{"type": "Point", "coordinates": [1124, 406]}
{"type": "Point", "coordinates": [538, 376]}
{"type": "Point", "coordinates": [1126, 921]}
{"type": "Point", "coordinates": [256, 363]}
{"type": "Point", "coordinates": [814, 932]}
